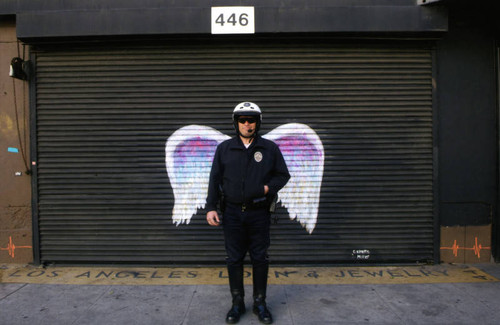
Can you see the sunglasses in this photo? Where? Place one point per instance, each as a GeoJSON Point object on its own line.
{"type": "Point", "coordinates": [243, 120]}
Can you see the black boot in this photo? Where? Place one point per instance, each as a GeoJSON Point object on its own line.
{"type": "Point", "coordinates": [237, 309]}
{"type": "Point", "coordinates": [259, 293]}
{"type": "Point", "coordinates": [260, 280]}
{"type": "Point", "coordinates": [235, 273]}
{"type": "Point", "coordinates": [260, 309]}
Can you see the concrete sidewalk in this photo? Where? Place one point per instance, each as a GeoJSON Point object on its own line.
{"type": "Point", "coordinates": [425, 303]}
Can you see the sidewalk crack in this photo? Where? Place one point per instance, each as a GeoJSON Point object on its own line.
{"type": "Point", "coordinates": [388, 305]}
{"type": "Point", "coordinates": [24, 285]}
{"type": "Point", "coordinates": [189, 305]}
{"type": "Point", "coordinates": [288, 307]}
{"type": "Point", "coordinates": [91, 306]}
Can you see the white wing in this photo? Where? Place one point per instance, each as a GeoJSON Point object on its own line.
{"type": "Point", "coordinates": [304, 155]}
{"type": "Point", "coordinates": [189, 152]}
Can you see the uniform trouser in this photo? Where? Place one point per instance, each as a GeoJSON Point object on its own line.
{"type": "Point", "coordinates": [247, 231]}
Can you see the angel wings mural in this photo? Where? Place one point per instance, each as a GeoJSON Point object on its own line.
{"type": "Point", "coordinates": [189, 152]}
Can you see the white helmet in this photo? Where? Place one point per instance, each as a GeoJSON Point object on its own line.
{"type": "Point", "coordinates": [247, 108]}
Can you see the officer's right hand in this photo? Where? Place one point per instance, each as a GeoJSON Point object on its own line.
{"type": "Point", "coordinates": [213, 218]}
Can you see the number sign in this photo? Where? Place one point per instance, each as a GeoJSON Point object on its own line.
{"type": "Point", "coordinates": [233, 20]}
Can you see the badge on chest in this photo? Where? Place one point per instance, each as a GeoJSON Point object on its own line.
{"type": "Point", "coordinates": [257, 156]}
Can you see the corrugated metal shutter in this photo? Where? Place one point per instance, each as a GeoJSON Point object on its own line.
{"type": "Point", "coordinates": [105, 112]}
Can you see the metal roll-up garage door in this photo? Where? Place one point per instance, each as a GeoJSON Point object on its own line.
{"type": "Point", "coordinates": [104, 114]}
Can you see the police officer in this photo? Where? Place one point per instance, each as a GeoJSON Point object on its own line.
{"type": "Point", "coordinates": [249, 170]}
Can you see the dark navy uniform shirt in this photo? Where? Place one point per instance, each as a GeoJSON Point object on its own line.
{"type": "Point", "coordinates": [243, 172]}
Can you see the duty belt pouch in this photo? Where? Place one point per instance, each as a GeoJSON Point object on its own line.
{"type": "Point", "coordinates": [269, 202]}
{"type": "Point", "coordinates": [272, 205]}
{"type": "Point", "coordinates": [272, 209]}
{"type": "Point", "coordinates": [260, 202]}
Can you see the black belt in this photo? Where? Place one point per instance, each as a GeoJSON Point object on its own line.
{"type": "Point", "coordinates": [246, 206]}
